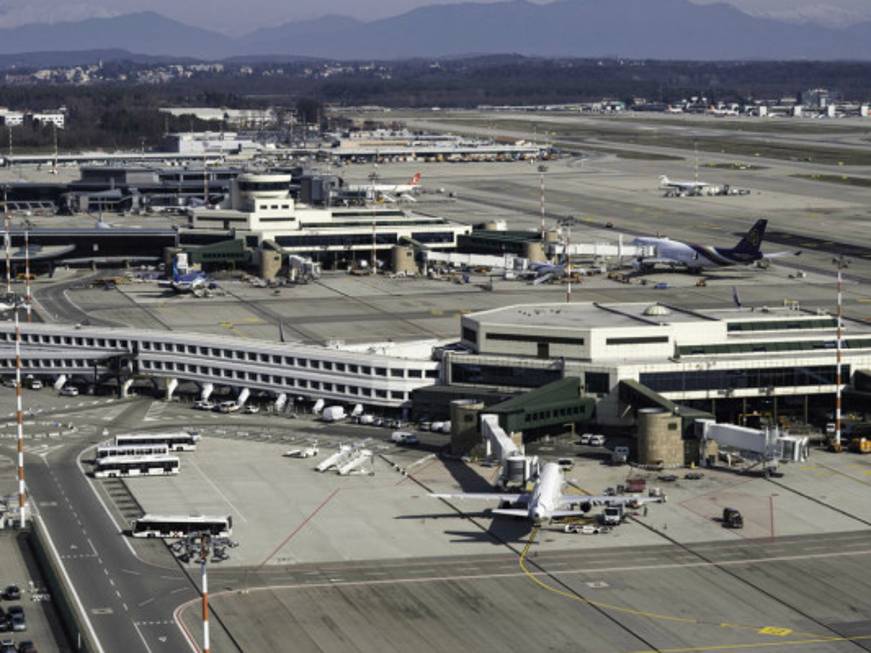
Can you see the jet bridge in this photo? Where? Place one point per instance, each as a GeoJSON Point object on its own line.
{"type": "Point", "coordinates": [752, 448]}
{"type": "Point", "coordinates": [516, 467]}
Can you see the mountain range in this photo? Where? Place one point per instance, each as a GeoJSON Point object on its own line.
{"type": "Point", "coordinates": [638, 29]}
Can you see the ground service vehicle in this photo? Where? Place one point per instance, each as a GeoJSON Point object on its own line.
{"type": "Point", "coordinates": [403, 437]}
{"type": "Point", "coordinates": [612, 515]}
{"type": "Point", "coordinates": [105, 450]}
{"type": "Point", "coordinates": [732, 518]}
{"type": "Point", "coordinates": [174, 526]}
{"type": "Point", "coordinates": [860, 445]}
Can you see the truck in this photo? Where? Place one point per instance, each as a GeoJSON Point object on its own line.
{"type": "Point", "coordinates": [612, 515]}
{"type": "Point", "coordinates": [860, 445]}
{"type": "Point", "coordinates": [333, 414]}
{"type": "Point", "coordinates": [620, 456]}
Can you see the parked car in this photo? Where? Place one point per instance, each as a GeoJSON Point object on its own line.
{"type": "Point", "coordinates": [566, 464]}
{"type": "Point", "coordinates": [7, 646]}
{"type": "Point", "coordinates": [27, 647]}
{"type": "Point", "coordinates": [69, 391]}
{"type": "Point", "coordinates": [12, 593]}
{"type": "Point", "coordinates": [694, 476]}
{"type": "Point", "coordinates": [251, 409]}
{"type": "Point", "coordinates": [204, 404]}
{"type": "Point", "coordinates": [597, 441]}
{"type": "Point", "coordinates": [404, 437]}
{"type": "Point", "coordinates": [585, 438]}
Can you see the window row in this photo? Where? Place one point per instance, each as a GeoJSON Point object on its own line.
{"type": "Point", "coordinates": [67, 341]}
{"type": "Point", "coordinates": [218, 373]}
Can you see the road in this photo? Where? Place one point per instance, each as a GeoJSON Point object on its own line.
{"type": "Point", "coordinates": [129, 602]}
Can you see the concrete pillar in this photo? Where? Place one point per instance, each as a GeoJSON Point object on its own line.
{"type": "Point", "coordinates": [243, 397]}
{"type": "Point", "coordinates": [125, 388]}
{"type": "Point", "coordinates": [206, 392]}
{"type": "Point", "coordinates": [61, 382]}
{"type": "Point", "coordinates": [280, 402]}
{"type": "Point", "coordinates": [171, 385]}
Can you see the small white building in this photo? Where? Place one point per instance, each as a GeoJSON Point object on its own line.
{"type": "Point", "coordinates": [203, 143]}
{"type": "Point", "coordinates": [11, 118]}
{"type": "Point", "coordinates": [56, 118]}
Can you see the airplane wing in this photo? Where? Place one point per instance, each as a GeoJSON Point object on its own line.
{"type": "Point", "coordinates": [510, 512]}
{"type": "Point", "coordinates": [782, 254]}
{"type": "Point", "coordinates": [484, 496]}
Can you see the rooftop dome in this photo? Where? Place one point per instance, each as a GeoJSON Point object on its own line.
{"type": "Point", "coordinates": [656, 310]}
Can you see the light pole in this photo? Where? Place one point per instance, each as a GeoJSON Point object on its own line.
{"type": "Point", "coordinates": [373, 177]}
{"type": "Point", "coordinates": [202, 547]}
{"type": "Point", "coordinates": [841, 263]}
{"type": "Point", "coordinates": [541, 170]}
{"type": "Point", "coordinates": [19, 420]}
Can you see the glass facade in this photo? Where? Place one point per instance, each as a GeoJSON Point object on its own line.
{"type": "Point", "coordinates": [783, 377]}
{"type": "Point", "coordinates": [499, 375]}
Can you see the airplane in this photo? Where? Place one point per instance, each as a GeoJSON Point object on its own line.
{"type": "Point", "coordinates": [303, 452]}
{"type": "Point", "coordinates": [189, 282]}
{"type": "Point", "coordinates": [675, 254]}
{"type": "Point", "coordinates": [685, 188]}
{"type": "Point", "coordinates": [546, 502]}
{"type": "Point", "coordinates": [389, 189]}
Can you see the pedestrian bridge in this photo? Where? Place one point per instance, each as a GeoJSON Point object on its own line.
{"type": "Point", "coordinates": [382, 378]}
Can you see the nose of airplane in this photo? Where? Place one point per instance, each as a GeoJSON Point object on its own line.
{"type": "Point", "coordinates": [537, 515]}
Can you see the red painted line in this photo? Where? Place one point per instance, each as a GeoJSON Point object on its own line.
{"type": "Point", "coordinates": [408, 476]}
{"type": "Point", "coordinates": [300, 527]}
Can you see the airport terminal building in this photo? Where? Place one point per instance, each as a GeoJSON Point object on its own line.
{"type": "Point", "coordinates": [725, 360]}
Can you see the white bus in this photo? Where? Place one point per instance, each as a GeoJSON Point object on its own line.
{"type": "Point", "coordinates": [105, 450]}
{"type": "Point", "coordinates": [176, 441]}
{"type": "Point", "coordinates": [174, 526]}
{"type": "Point", "coordinates": [115, 466]}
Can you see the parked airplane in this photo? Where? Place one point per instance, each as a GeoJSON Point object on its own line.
{"type": "Point", "coordinates": [684, 188]}
{"type": "Point", "coordinates": [390, 189]}
{"type": "Point", "coordinates": [547, 502]}
{"type": "Point", "coordinates": [189, 282]}
{"type": "Point", "coordinates": [675, 254]}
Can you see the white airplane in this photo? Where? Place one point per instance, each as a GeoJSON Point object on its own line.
{"type": "Point", "coordinates": [685, 188]}
{"type": "Point", "coordinates": [675, 254]}
{"type": "Point", "coordinates": [546, 502]}
{"type": "Point", "coordinates": [303, 452]}
{"type": "Point", "coordinates": [389, 189]}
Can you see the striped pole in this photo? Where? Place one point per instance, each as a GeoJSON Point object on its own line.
{"type": "Point", "coordinates": [839, 355]}
{"type": "Point", "coordinates": [19, 416]}
{"type": "Point", "coordinates": [205, 584]}
{"type": "Point", "coordinates": [7, 241]}
{"type": "Point", "coordinates": [27, 296]}
{"type": "Point", "coordinates": [541, 170]}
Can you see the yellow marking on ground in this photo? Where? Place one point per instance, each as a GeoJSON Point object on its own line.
{"type": "Point", "coordinates": [756, 645]}
{"type": "Point", "coordinates": [436, 312]}
{"type": "Point", "coordinates": [774, 630]}
{"type": "Point", "coordinates": [656, 616]}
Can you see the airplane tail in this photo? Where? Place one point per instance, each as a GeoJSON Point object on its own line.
{"type": "Point", "coordinates": [663, 180]}
{"type": "Point", "coordinates": [416, 179]}
{"type": "Point", "coordinates": [751, 243]}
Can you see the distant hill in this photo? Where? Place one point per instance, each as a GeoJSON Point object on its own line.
{"type": "Point", "coordinates": [655, 29]}
{"type": "Point", "coordinates": [82, 58]}
{"type": "Point", "coordinates": [146, 33]}
{"type": "Point", "coordinates": [637, 29]}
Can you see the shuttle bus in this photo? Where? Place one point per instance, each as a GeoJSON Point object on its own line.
{"type": "Point", "coordinates": [109, 449]}
{"type": "Point", "coordinates": [175, 526]}
{"type": "Point", "coordinates": [116, 466]}
{"type": "Point", "coordinates": [176, 441]}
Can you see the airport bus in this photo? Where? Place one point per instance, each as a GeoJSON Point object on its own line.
{"type": "Point", "coordinates": [115, 466]}
{"type": "Point", "coordinates": [176, 441]}
{"type": "Point", "coordinates": [109, 449]}
{"type": "Point", "coordinates": [174, 526]}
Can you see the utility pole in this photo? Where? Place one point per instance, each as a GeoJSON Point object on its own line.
{"type": "Point", "coordinates": [54, 132]}
{"type": "Point", "coordinates": [841, 263]}
{"type": "Point", "coordinates": [204, 576]}
{"type": "Point", "coordinates": [541, 170]}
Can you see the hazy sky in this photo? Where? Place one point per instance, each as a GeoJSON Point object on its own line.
{"type": "Point", "coordinates": [234, 17]}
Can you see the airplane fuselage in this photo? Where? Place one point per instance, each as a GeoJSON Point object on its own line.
{"type": "Point", "coordinates": [695, 257]}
